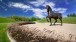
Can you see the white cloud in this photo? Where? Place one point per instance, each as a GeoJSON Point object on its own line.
{"type": "Point", "coordinates": [38, 12]}
{"type": "Point", "coordinates": [63, 10]}
{"type": "Point", "coordinates": [38, 2]}
{"type": "Point", "coordinates": [1, 0]}
{"type": "Point", "coordinates": [4, 8]}
{"type": "Point", "coordinates": [51, 4]}
{"type": "Point", "coordinates": [60, 10]}
{"type": "Point", "coordinates": [19, 5]}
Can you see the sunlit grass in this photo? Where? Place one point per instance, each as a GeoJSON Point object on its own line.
{"type": "Point", "coordinates": [6, 20]}
{"type": "Point", "coordinates": [65, 20]}
{"type": "Point", "coordinates": [3, 32]}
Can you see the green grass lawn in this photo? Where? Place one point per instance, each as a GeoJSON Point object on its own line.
{"type": "Point", "coordinates": [6, 20]}
{"type": "Point", "coordinates": [3, 32]}
{"type": "Point", "coordinates": [3, 28]}
{"type": "Point", "coordinates": [71, 20]}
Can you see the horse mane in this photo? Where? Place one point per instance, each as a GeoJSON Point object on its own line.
{"type": "Point", "coordinates": [49, 8]}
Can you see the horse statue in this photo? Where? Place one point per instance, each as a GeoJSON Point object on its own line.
{"type": "Point", "coordinates": [53, 15]}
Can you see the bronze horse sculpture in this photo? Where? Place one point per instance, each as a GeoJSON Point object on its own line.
{"type": "Point", "coordinates": [53, 15]}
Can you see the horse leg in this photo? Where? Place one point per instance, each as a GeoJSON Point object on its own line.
{"type": "Point", "coordinates": [61, 21]}
{"type": "Point", "coordinates": [50, 21]}
{"type": "Point", "coordinates": [55, 21]}
{"type": "Point", "coordinates": [47, 18]}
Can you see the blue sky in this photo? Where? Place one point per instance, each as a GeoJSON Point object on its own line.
{"type": "Point", "coordinates": [29, 8]}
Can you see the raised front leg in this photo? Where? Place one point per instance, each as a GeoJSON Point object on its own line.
{"type": "Point", "coordinates": [47, 18]}
{"type": "Point", "coordinates": [50, 21]}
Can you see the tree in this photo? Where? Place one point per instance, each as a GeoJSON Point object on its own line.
{"type": "Point", "coordinates": [68, 15]}
{"type": "Point", "coordinates": [34, 18]}
{"type": "Point", "coordinates": [71, 15]}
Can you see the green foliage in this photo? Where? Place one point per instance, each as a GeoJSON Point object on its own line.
{"type": "Point", "coordinates": [3, 32]}
{"type": "Point", "coordinates": [65, 20]}
{"type": "Point", "coordinates": [42, 20]}
{"type": "Point", "coordinates": [6, 20]}
{"type": "Point", "coordinates": [19, 18]}
{"type": "Point", "coordinates": [34, 19]}
{"type": "Point", "coordinates": [71, 15]}
{"type": "Point", "coordinates": [69, 20]}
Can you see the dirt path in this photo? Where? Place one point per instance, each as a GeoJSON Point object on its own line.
{"type": "Point", "coordinates": [65, 29]}
{"type": "Point", "coordinates": [67, 32]}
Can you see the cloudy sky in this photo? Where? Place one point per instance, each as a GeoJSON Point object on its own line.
{"type": "Point", "coordinates": [29, 8]}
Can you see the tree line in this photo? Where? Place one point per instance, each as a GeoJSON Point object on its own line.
{"type": "Point", "coordinates": [20, 18]}
{"type": "Point", "coordinates": [71, 15]}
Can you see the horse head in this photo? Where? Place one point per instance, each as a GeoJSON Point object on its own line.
{"type": "Point", "coordinates": [48, 8]}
